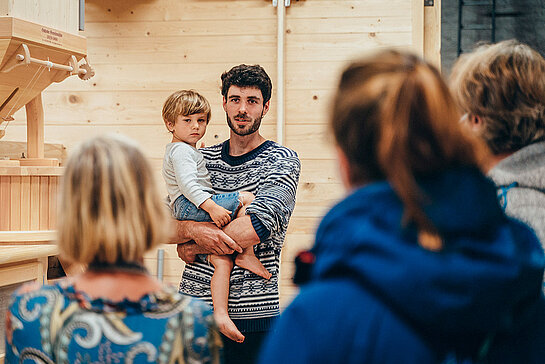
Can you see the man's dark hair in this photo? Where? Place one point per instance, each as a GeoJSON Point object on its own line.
{"type": "Point", "coordinates": [247, 76]}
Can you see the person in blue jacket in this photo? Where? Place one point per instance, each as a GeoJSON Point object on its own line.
{"type": "Point", "coordinates": [418, 264]}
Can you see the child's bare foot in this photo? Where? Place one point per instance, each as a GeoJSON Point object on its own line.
{"type": "Point", "coordinates": [250, 262]}
{"type": "Point", "coordinates": [228, 328]}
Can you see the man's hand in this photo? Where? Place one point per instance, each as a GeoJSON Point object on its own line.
{"type": "Point", "coordinates": [208, 236]}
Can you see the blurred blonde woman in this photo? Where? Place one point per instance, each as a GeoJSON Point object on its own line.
{"type": "Point", "coordinates": [110, 215]}
{"type": "Point", "coordinates": [418, 264]}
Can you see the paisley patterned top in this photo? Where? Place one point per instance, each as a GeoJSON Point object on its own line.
{"type": "Point", "coordinates": [57, 324]}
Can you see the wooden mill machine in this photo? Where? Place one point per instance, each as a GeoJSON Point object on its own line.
{"type": "Point", "coordinates": [39, 45]}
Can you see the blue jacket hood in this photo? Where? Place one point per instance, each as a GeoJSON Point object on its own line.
{"type": "Point", "coordinates": [486, 279]}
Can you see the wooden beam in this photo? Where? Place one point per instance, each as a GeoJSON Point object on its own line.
{"type": "Point", "coordinates": [35, 127]}
{"type": "Point", "coordinates": [432, 33]}
{"type": "Point", "coordinates": [418, 26]}
{"type": "Point", "coordinates": [35, 236]}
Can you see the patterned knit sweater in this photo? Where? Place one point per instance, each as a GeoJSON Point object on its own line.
{"type": "Point", "coordinates": [271, 173]}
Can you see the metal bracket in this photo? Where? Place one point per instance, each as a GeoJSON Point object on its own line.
{"type": "Point", "coordinates": [428, 3]}
{"type": "Point", "coordinates": [287, 3]}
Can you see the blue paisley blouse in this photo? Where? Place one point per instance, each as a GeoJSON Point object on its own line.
{"type": "Point", "coordinates": [57, 324]}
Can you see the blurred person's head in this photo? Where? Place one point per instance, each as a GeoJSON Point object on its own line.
{"type": "Point", "coordinates": [501, 90]}
{"type": "Point", "coordinates": [110, 210]}
{"type": "Point", "coordinates": [394, 119]}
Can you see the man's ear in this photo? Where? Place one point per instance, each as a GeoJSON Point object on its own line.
{"type": "Point", "coordinates": [344, 168]}
{"type": "Point", "coordinates": [266, 107]}
{"type": "Point", "coordinates": [224, 104]}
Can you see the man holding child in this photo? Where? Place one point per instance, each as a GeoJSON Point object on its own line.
{"type": "Point", "coordinates": [245, 162]}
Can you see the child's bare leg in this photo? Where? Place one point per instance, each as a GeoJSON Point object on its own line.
{"type": "Point", "coordinates": [248, 260]}
{"type": "Point", "coordinates": [246, 198]}
{"type": "Point", "coordinates": [219, 286]}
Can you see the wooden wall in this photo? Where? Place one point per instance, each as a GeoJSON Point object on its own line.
{"type": "Point", "coordinates": [58, 14]}
{"type": "Point", "coordinates": [143, 50]}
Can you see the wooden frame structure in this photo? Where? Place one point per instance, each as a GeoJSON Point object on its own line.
{"type": "Point", "coordinates": [32, 56]}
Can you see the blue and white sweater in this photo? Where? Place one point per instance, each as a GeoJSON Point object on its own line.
{"type": "Point", "coordinates": [271, 173]}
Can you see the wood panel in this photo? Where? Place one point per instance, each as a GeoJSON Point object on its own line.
{"type": "Point", "coordinates": [18, 273]}
{"type": "Point", "coordinates": [15, 150]}
{"type": "Point", "coordinates": [16, 237]}
{"type": "Point", "coordinates": [192, 49]}
{"type": "Point", "coordinates": [204, 49]}
{"type": "Point", "coordinates": [15, 204]}
{"type": "Point", "coordinates": [432, 33]}
{"type": "Point", "coordinates": [221, 11]}
{"type": "Point", "coordinates": [53, 202]}
{"type": "Point", "coordinates": [59, 14]}
{"type": "Point", "coordinates": [173, 28]}
{"type": "Point", "coordinates": [168, 77]}
{"type": "Point", "coordinates": [28, 202]}
{"type": "Point", "coordinates": [342, 9]}
{"type": "Point", "coordinates": [25, 203]}
{"type": "Point", "coordinates": [44, 203]}
{"type": "Point", "coordinates": [5, 199]}
{"type": "Point", "coordinates": [35, 203]}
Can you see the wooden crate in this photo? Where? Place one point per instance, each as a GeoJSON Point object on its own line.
{"type": "Point", "coordinates": [28, 198]}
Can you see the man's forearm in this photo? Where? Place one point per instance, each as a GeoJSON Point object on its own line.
{"type": "Point", "coordinates": [242, 231]}
{"type": "Point", "coordinates": [183, 232]}
{"type": "Point", "coordinates": [209, 238]}
{"type": "Point", "coordinates": [191, 248]}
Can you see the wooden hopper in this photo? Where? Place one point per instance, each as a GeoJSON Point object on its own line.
{"type": "Point", "coordinates": [32, 57]}
{"type": "Point", "coordinates": [36, 49]}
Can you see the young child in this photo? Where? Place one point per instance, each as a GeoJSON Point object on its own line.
{"type": "Point", "coordinates": [191, 196]}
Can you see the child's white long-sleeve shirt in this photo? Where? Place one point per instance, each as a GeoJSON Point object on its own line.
{"type": "Point", "coordinates": [185, 173]}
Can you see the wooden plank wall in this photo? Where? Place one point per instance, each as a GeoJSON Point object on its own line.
{"type": "Point", "coordinates": [144, 50]}
{"type": "Point", "coordinates": [321, 37]}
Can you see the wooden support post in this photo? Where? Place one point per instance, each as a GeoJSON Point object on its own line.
{"type": "Point", "coordinates": [432, 33]}
{"type": "Point", "coordinates": [35, 135]}
{"type": "Point", "coordinates": [35, 127]}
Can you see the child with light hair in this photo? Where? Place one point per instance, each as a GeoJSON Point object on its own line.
{"type": "Point", "coordinates": [186, 114]}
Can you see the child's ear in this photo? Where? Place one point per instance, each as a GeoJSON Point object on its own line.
{"type": "Point", "coordinates": [170, 126]}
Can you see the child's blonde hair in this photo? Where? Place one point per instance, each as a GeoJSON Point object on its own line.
{"type": "Point", "coordinates": [185, 102]}
{"type": "Point", "coordinates": [110, 209]}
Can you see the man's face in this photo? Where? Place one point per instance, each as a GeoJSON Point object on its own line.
{"type": "Point", "coordinates": [244, 109]}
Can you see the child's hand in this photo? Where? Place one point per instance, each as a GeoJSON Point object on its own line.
{"type": "Point", "coordinates": [219, 215]}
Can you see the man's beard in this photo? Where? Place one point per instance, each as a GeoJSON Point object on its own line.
{"type": "Point", "coordinates": [242, 132]}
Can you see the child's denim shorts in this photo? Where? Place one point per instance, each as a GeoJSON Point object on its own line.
{"type": "Point", "coordinates": [183, 209]}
